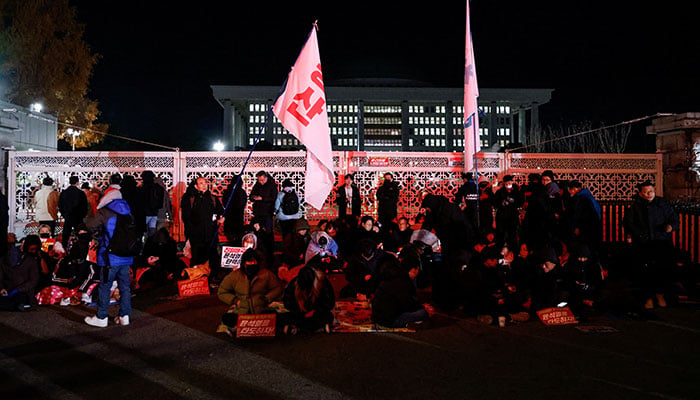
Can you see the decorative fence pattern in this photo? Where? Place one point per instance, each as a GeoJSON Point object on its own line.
{"type": "Point", "coordinates": [609, 177]}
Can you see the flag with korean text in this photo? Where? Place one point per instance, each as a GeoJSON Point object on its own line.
{"type": "Point", "coordinates": [301, 109]}
{"type": "Point", "coordinates": [472, 142]}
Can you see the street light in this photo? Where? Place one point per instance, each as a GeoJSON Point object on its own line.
{"type": "Point", "coordinates": [74, 133]}
{"type": "Point", "coordinates": [36, 107]}
{"type": "Point", "coordinates": [218, 146]}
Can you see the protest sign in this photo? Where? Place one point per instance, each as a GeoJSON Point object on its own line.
{"type": "Point", "coordinates": [256, 325]}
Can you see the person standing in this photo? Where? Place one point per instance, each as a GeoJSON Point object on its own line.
{"type": "Point", "coordinates": [263, 196]}
{"type": "Point", "coordinates": [584, 217]}
{"type": "Point", "coordinates": [112, 267]}
{"type": "Point", "coordinates": [200, 212]}
{"type": "Point", "coordinates": [152, 196]}
{"type": "Point", "coordinates": [287, 207]}
{"type": "Point", "coordinates": [73, 205]}
{"type": "Point", "coordinates": [387, 199]}
{"type": "Point", "coordinates": [348, 199]}
{"type": "Point", "coordinates": [467, 197]}
{"type": "Point", "coordinates": [46, 204]}
{"type": "Point", "coordinates": [649, 224]}
{"type": "Point", "coordinates": [234, 210]}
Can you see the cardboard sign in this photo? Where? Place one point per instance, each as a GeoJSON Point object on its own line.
{"type": "Point", "coordinates": [231, 257]}
{"type": "Point", "coordinates": [256, 325]}
{"type": "Point", "coordinates": [193, 287]}
{"type": "Point", "coordinates": [557, 316]}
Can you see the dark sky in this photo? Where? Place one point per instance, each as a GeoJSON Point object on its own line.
{"type": "Point", "coordinates": [607, 62]}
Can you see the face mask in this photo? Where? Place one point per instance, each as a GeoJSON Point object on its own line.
{"type": "Point", "coordinates": [45, 235]}
{"type": "Point", "coordinates": [509, 186]}
{"type": "Point", "coordinates": [251, 270]}
{"type": "Point", "coordinates": [84, 236]}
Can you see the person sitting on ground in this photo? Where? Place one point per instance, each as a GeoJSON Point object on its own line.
{"type": "Point", "coordinates": [551, 288]}
{"type": "Point", "coordinates": [294, 245]}
{"type": "Point", "coordinates": [395, 302]}
{"type": "Point", "coordinates": [19, 277]}
{"type": "Point", "coordinates": [310, 299]}
{"type": "Point", "coordinates": [321, 243]}
{"type": "Point", "coordinates": [496, 298]}
{"type": "Point", "coordinates": [158, 262]}
{"type": "Point", "coordinates": [249, 289]}
{"type": "Point", "coordinates": [51, 252]}
{"type": "Point", "coordinates": [402, 235]}
{"type": "Point", "coordinates": [367, 229]}
{"type": "Point", "coordinates": [362, 272]}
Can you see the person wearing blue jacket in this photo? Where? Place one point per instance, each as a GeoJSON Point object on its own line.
{"type": "Point", "coordinates": [113, 267]}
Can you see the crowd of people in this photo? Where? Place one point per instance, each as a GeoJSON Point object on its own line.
{"type": "Point", "coordinates": [496, 251]}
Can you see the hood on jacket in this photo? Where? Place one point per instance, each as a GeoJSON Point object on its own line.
{"type": "Point", "coordinates": [119, 206]}
{"type": "Point", "coordinates": [113, 192]}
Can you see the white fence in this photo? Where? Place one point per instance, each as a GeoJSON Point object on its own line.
{"type": "Point", "coordinates": [608, 176]}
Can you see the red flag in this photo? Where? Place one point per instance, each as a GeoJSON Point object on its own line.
{"type": "Point", "coordinates": [302, 111]}
{"type": "Point", "coordinates": [472, 142]}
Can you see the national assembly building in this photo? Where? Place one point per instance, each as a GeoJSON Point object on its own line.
{"type": "Point", "coordinates": [387, 116]}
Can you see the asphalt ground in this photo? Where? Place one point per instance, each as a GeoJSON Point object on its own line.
{"type": "Point", "coordinates": [171, 351]}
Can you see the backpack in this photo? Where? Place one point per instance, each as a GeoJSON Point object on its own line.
{"type": "Point", "coordinates": [155, 197]}
{"type": "Point", "coordinates": [290, 203]}
{"type": "Point", "coordinates": [126, 238]}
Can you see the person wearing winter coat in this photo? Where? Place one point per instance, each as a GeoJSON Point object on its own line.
{"type": "Point", "coordinates": [200, 212]}
{"type": "Point", "coordinates": [395, 302]}
{"type": "Point", "coordinates": [152, 196]}
{"type": "Point", "coordinates": [287, 221]}
{"type": "Point", "coordinates": [73, 205]}
{"type": "Point", "coordinates": [46, 204]}
{"type": "Point", "coordinates": [649, 224]}
{"type": "Point", "coordinates": [310, 300]}
{"type": "Point", "coordinates": [112, 267]}
{"type": "Point", "coordinates": [234, 208]}
{"type": "Point", "coordinates": [263, 196]}
{"type": "Point", "coordinates": [348, 199]}
{"type": "Point", "coordinates": [19, 276]}
{"type": "Point", "coordinates": [249, 289]}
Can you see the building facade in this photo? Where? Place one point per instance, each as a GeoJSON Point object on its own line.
{"type": "Point", "coordinates": [387, 118]}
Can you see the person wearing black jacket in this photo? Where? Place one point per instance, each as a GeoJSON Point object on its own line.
{"type": "Point", "coordinates": [395, 302]}
{"type": "Point", "coordinates": [387, 199]}
{"type": "Point", "coordinates": [200, 210]}
{"type": "Point", "coordinates": [649, 224]}
{"type": "Point", "coordinates": [263, 196]}
{"type": "Point", "coordinates": [310, 299]}
{"type": "Point", "coordinates": [233, 225]}
{"type": "Point", "coordinates": [73, 205]}
{"type": "Point", "coordinates": [348, 199]}
{"type": "Point", "coordinates": [152, 198]}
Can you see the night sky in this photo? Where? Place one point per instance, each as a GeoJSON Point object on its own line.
{"type": "Point", "coordinates": [607, 63]}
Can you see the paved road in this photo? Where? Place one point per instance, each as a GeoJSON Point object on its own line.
{"type": "Point", "coordinates": [170, 351]}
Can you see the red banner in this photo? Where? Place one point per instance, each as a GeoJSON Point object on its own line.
{"type": "Point", "coordinates": [193, 287]}
{"type": "Point", "coordinates": [256, 325]}
{"type": "Point", "coordinates": [557, 316]}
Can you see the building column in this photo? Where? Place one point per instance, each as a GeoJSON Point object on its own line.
{"type": "Point", "coordinates": [360, 126]}
{"type": "Point", "coordinates": [534, 118]}
{"type": "Point", "coordinates": [404, 127]}
{"type": "Point", "coordinates": [522, 121]}
{"type": "Point", "coordinates": [493, 132]}
{"type": "Point", "coordinates": [449, 134]}
{"type": "Point", "coordinates": [229, 131]}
